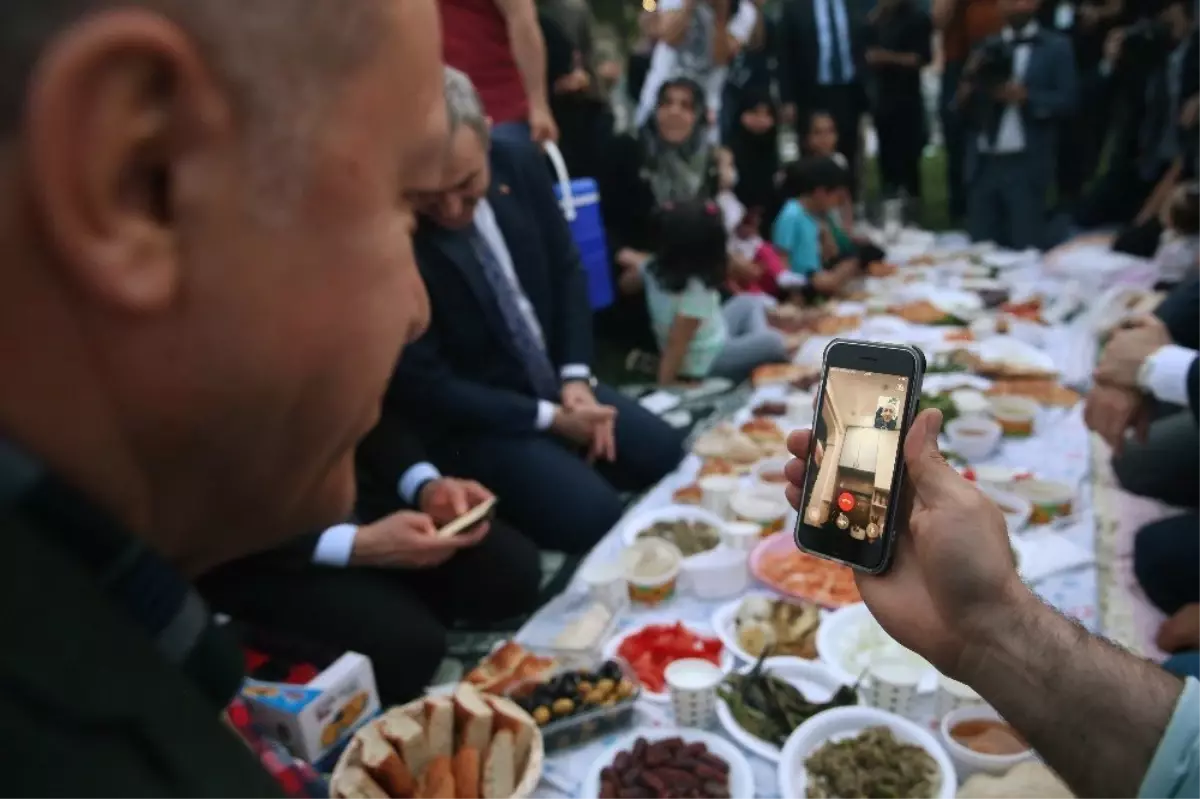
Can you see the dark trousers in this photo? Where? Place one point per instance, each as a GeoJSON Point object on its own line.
{"type": "Point", "coordinates": [1081, 138]}
{"type": "Point", "coordinates": [1166, 561]}
{"type": "Point", "coordinates": [901, 131]}
{"type": "Point", "coordinates": [954, 136]}
{"type": "Point", "coordinates": [1006, 202]}
{"type": "Point", "coordinates": [845, 105]}
{"type": "Point", "coordinates": [1164, 466]}
{"type": "Point", "coordinates": [1116, 197]}
{"type": "Point", "coordinates": [397, 617]}
{"type": "Point", "coordinates": [550, 492]}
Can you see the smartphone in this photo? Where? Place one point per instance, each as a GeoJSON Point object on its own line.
{"type": "Point", "coordinates": [868, 397]}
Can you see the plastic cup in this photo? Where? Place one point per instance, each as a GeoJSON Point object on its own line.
{"type": "Point", "coordinates": [605, 582]}
{"type": "Point", "coordinates": [743, 536]}
{"type": "Point", "coordinates": [893, 686]}
{"type": "Point", "coordinates": [692, 686]}
{"type": "Point", "coordinates": [954, 695]}
{"type": "Point", "coordinates": [715, 492]}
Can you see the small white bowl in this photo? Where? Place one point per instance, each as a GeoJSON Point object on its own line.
{"type": "Point", "coordinates": [1016, 415]}
{"type": "Point", "coordinates": [741, 535]}
{"type": "Point", "coordinates": [1016, 509]}
{"type": "Point", "coordinates": [718, 573]}
{"type": "Point", "coordinates": [967, 761]}
{"type": "Point", "coordinates": [970, 402]}
{"type": "Point", "coordinates": [771, 467]}
{"type": "Point", "coordinates": [974, 438]}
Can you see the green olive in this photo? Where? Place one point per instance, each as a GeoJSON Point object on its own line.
{"type": "Point", "coordinates": [585, 688]}
{"type": "Point", "coordinates": [605, 686]}
{"type": "Point", "coordinates": [624, 689]}
{"type": "Point", "coordinates": [541, 714]}
{"type": "Point", "coordinates": [562, 707]}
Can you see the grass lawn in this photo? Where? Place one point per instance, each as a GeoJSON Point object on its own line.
{"type": "Point", "coordinates": [935, 208]}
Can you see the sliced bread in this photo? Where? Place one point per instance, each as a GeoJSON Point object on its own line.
{"type": "Point", "coordinates": [473, 718]}
{"type": "Point", "coordinates": [466, 773]}
{"type": "Point", "coordinates": [384, 765]}
{"type": "Point", "coordinates": [510, 718]}
{"type": "Point", "coordinates": [499, 771]}
{"type": "Point", "coordinates": [407, 738]}
{"type": "Point", "coordinates": [355, 783]}
{"type": "Point", "coordinates": [439, 726]}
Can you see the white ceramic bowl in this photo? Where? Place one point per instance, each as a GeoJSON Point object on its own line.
{"type": "Point", "coordinates": [813, 679]}
{"type": "Point", "coordinates": [770, 466]}
{"type": "Point", "coordinates": [975, 438]}
{"type": "Point", "coordinates": [662, 697]}
{"type": "Point", "coordinates": [970, 402]}
{"type": "Point", "coordinates": [967, 761]}
{"type": "Point", "coordinates": [847, 722]}
{"type": "Point", "coordinates": [1015, 413]}
{"type": "Point", "coordinates": [1016, 509]}
{"type": "Point", "coordinates": [718, 573]}
{"type": "Point", "coordinates": [635, 523]}
{"type": "Point", "coordinates": [741, 778]}
{"type": "Point", "coordinates": [849, 639]}
{"type": "Point", "coordinates": [741, 535]}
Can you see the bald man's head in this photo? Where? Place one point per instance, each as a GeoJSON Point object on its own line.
{"type": "Point", "coordinates": [198, 353]}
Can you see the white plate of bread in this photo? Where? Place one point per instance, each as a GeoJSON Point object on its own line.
{"type": "Point", "coordinates": [467, 745]}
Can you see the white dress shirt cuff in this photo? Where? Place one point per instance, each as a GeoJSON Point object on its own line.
{"type": "Point", "coordinates": [791, 280]}
{"type": "Point", "coordinates": [335, 546]}
{"type": "Point", "coordinates": [416, 476]}
{"type": "Point", "coordinates": [1165, 373]}
{"type": "Point", "coordinates": [576, 371]}
{"type": "Point", "coordinates": [545, 415]}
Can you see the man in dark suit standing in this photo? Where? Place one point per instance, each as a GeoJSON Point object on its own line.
{"type": "Point", "coordinates": [387, 586]}
{"type": "Point", "coordinates": [501, 380]}
{"type": "Point", "coordinates": [1013, 121]}
{"type": "Point", "coordinates": [820, 68]}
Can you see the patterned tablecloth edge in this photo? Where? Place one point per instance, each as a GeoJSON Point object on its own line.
{"type": "Point", "coordinates": [1116, 604]}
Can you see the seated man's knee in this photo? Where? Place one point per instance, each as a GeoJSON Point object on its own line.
{"type": "Point", "coordinates": [1164, 561]}
{"type": "Point", "coordinates": [406, 660]}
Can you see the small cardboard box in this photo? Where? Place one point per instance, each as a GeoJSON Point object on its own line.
{"type": "Point", "coordinates": [316, 719]}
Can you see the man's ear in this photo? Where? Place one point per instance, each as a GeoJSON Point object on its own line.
{"type": "Point", "coordinates": [113, 107]}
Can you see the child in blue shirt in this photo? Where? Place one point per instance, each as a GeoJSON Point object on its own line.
{"type": "Point", "coordinates": [815, 187]}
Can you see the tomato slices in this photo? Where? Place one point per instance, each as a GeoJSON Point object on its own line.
{"type": "Point", "coordinates": [650, 650]}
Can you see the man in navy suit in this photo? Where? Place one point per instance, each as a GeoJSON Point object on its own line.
{"type": "Point", "coordinates": [1012, 145]}
{"type": "Point", "coordinates": [501, 382]}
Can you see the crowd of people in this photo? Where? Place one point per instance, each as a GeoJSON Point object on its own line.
{"type": "Point", "coordinates": [288, 289]}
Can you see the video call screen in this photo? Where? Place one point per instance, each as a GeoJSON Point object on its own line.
{"type": "Point", "coordinates": [856, 442]}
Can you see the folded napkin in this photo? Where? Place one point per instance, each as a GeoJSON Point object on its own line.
{"type": "Point", "coordinates": [1044, 553]}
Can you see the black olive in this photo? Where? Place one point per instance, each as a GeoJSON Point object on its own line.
{"type": "Point", "coordinates": [542, 695]}
{"type": "Point", "coordinates": [555, 685]}
{"type": "Point", "coordinates": [569, 683]}
{"type": "Point", "coordinates": [611, 671]}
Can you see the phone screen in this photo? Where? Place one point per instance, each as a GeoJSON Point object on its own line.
{"type": "Point", "coordinates": [853, 473]}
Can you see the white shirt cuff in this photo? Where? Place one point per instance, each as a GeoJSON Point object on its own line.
{"type": "Point", "coordinates": [413, 478]}
{"type": "Point", "coordinates": [545, 415]}
{"type": "Point", "coordinates": [1166, 373]}
{"type": "Point", "coordinates": [576, 371]}
{"type": "Point", "coordinates": [791, 280]}
{"type": "Point", "coordinates": [335, 546]}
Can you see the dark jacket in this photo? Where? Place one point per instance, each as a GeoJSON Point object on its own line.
{"type": "Point", "coordinates": [906, 29]}
{"type": "Point", "coordinates": [90, 704]}
{"type": "Point", "coordinates": [1051, 83]}
{"type": "Point", "coordinates": [464, 374]}
{"type": "Point", "coordinates": [800, 51]}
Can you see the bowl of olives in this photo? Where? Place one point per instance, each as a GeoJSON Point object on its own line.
{"type": "Point", "coordinates": [576, 705]}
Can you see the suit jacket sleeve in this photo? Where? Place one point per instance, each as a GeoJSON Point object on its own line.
{"type": "Point", "coordinates": [1193, 386]}
{"type": "Point", "coordinates": [427, 388]}
{"type": "Point", "coordinates": [791, 53]}
{"type": "Point", "coordinates": [1057, 100]}
{"type": "Point", "coordinates": [384, 456]}
{"type": "Point", "coordinates": [571, 338]}
{"type": "Point", "coordinates": [1179, 311]}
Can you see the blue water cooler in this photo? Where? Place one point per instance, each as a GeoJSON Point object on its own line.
{"type": "Point", "coordinates": [580, 201]}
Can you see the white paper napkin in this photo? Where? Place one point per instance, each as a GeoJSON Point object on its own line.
{"type": "Point", "coordinates": [1044, 553]}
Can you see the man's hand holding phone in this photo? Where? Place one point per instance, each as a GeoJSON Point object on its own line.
{"type": "Point", "coordinates": [953, 576]}
{"type": "Point", "coordinates": [408, 540]}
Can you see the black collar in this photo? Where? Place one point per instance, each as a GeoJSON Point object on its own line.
{"type": "Point", "coordinates": [140, 583]}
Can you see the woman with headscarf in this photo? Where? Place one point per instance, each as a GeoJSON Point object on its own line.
{"type": "Point", "coordinates": [754, 144]}
{"type": "Point", "coordinates": [670, 160]}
